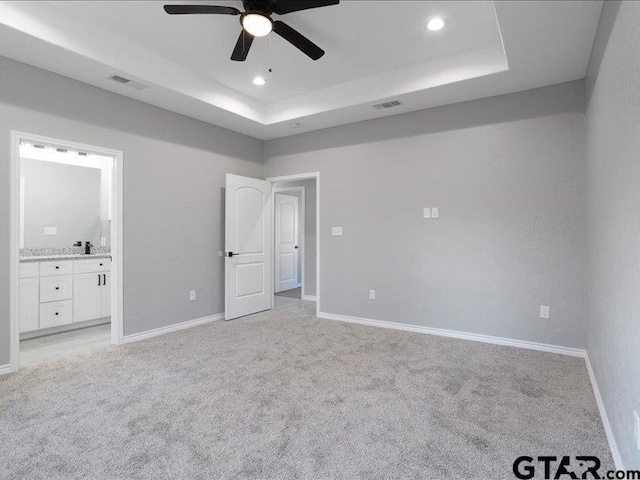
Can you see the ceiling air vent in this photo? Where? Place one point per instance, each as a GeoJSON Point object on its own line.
{"type": "Point", "coordinates": [385, 105]}
{"type": "Point", "coordinates": [129, 83]}
{"type": "Point", "coordinates": [119, 79]}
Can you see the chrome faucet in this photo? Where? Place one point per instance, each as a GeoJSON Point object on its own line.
{"type": "Point", "coordinates": [87, 248]}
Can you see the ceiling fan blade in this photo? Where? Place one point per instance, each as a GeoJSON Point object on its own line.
{"type": "Point", "coordinates": [242, 47]}
{"type": "Point", "coordinates": [200, 9]}
{"type": "Point", "coordinates": [287, 6]}
{"type": "Point", "coordinates": [298, 40]}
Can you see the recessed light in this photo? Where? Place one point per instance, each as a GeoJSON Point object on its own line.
{"type": "Point", "coordinates": [435, 24]}
{"type": "Point", "coordinates": [259, 81]}
{"type": "Point", "coordinates": [294, 125]}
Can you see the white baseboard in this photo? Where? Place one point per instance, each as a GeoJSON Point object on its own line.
{"type": "Point", "coordinates": [310, 298]}
{"type": "Point", "coordinates": [172, 328]}
{"type": "Point", "coordinates": [613, 446]}
{"type": "Point", "coordinates": [543, 347]}
{"type": "Point", "coordinates": [5, 369]}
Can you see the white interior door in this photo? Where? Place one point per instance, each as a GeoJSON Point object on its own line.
{"type": "Point", "coordinates": [287, 252]}
{"type": "Point", "coordinates": [247, 259]}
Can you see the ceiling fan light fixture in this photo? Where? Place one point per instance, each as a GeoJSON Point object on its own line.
{"type": "Point", "coordinates": [435, 24]}
{"type": "Point", "coordinates": [257, 24]}
{"type": "Point", "coordinates": [259, 81]}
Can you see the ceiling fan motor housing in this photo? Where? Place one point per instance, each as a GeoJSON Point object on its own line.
{"type": "Point", "coordinates": [258, 6]}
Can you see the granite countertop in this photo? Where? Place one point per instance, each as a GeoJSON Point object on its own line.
{"type": "Point", "coordinates": [70, 256]}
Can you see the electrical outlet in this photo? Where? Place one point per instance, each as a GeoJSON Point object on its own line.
{"type": "Point", "coordinates": [192, 295]}
{"type": "Point", "coordinates": [336, 231]}
{"type": "Point", "coordinates": [544, 311]}
{"type": "Point", "coordinates": [435, 213]}
{"type": "Point", "coordinates": [637, 429]}
{"type": "Point", "coordinates": [50, 230]}
{"type": "Point", "coordinates": [372, 294]}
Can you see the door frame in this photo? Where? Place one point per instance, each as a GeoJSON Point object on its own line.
{"type": "Point", "coordinates": [117, 324]}
{"type": "Point", "coordinates": [287, 178]}
{"type": "Point", "coordinates": [301, 227]}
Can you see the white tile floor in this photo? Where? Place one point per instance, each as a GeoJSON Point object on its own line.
{"type": "Point", "coordinates": [59, 345]}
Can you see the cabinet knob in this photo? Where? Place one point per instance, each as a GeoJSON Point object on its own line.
{"type": "Point", "coordinates": [57, 267]}
{"type": "Point", "coordinates": [57, 288]}
{"type": "Point", "coordinates": [100, 264]}
{"type": "Point", "coordinates": [56, 313]}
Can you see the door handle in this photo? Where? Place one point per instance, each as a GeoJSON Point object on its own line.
{"type": "Point", "coordinates": [99, 279]}
{"type": "Point", "coordinates": [104, 279]}
{"type": "Point", "coordinates": [230, 254]}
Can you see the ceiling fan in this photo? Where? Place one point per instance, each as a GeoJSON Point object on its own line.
{"type": "Point", "coordinates": [256, 22]}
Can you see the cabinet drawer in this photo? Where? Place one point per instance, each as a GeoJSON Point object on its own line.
{"type": "Point", "coordinates": [92, 265]}
{"type": "Point", "coordinates": [56, 288]}
{"type": "Point", "coordinates": [56, 268]}
{"type": "Point", "coordinates": [56, 313]}
{"type": "Point", "coordinates": [29, 270]}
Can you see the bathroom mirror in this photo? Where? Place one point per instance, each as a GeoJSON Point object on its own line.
{"type": "Point", "coordinates": [63, 203]}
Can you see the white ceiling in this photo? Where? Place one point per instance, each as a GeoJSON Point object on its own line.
{"type": "Point", "coordinates": [376, 50]}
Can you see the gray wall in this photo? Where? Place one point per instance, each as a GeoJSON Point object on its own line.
{"type": "Point", "coordinates": [173, 189]}
{"type": "Point", "coordinates": [508, 176]}
{"type": "Point", "coordinates": [613, 148]}
{"type": "Point", "coordinates": [310, 233]}
{"type": "Point", "coordinates": [63, 196]}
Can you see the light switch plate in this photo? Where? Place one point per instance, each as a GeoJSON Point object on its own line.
{"type": "Point", "coordinates": [435, 213]}
{"type": "Point", "coordinates": [372, 294]}
{"type": "Point", "coordinates": [426, 212]}
{"type": "Point", "coordinates": [50, 230]}
{"type": "Point", "coordinates": [336, 231]}
{"type": "Point", "coordinates": [103, 241]}
{"type": "Point", "coordinates": [544, 311]}
{"type": "Point", "coordinates": [192, 295]}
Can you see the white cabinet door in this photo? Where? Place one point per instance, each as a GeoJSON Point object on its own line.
{"type": "Point", "coordinates": [87, 296]}
{"type": "Point", "coordinates": [247, 240]}
{"type": "Point", "coordinates": [286, 242]}
{"type": "Point", "coordinates": [29, 304]}
{"type": "Point", "coordinates": [106, 295]}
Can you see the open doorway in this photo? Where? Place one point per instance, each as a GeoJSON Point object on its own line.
{"type": "Point", "coordinates": [295, 245]}
{"type": "Point", "coordinates": [66, 283]}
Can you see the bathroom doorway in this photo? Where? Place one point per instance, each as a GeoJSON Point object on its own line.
{"type": "Point", "coordinates": [66, 276]}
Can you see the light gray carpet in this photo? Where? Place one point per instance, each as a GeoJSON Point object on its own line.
{"type": "Point", "coordinates": [283, 396]}
{"type": "Point", "coordinates": [293, 293]}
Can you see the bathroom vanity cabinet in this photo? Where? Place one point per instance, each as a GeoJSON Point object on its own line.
{"type": "Point", "coordinates": [54, 293]}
